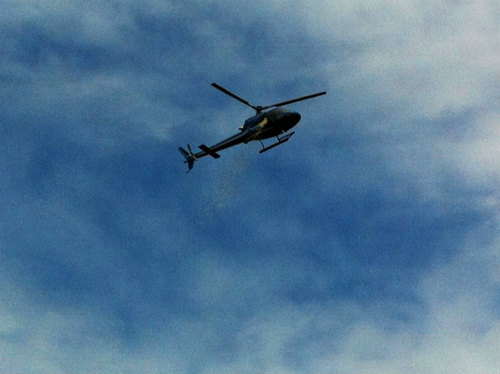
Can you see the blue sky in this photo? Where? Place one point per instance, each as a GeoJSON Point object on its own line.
{"type": "Point", "coordinates": [368, 243]}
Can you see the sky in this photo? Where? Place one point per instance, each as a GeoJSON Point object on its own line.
{"type": "Point", "coordinates": [368, 243]}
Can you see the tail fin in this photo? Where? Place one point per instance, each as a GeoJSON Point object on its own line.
{"type": "Point", "coordinates": [189, 156]}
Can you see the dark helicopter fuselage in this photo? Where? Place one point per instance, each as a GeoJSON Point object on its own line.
{"type": "Point", "coordinates": [271, 123]}
{"type": "Point", "coordinates": [263, 125]}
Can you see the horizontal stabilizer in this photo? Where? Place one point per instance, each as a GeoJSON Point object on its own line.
{"type": "Point", "coordinates": [208, 151]}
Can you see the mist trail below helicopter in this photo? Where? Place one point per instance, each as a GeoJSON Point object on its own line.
{"type": "Point", "coordinates": [226, 186]}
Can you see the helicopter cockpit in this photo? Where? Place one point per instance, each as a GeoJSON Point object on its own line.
{"type": "Point", "coordinates": [271, 115]}
{"type": "Point", "coordinates": [252, 121]}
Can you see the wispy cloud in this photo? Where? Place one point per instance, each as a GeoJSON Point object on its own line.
{"type": "Point", "coordinates": [367, 244]}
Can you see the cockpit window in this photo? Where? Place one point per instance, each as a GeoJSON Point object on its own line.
{"type": "Point", "coordinates": [252, 121]}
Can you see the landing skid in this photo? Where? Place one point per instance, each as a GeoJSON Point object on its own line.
{"type": "Point", "coordinates": [281, 140]}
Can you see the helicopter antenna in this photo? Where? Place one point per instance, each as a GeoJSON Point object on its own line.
{"type": "Point", "coordinates": [259, 108]}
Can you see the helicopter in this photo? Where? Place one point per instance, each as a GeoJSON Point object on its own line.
{"type": "Point", "coordinates": [263, 125]}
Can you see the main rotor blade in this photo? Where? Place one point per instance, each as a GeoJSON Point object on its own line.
{"type": "Point", "coordinates": [227, 92]}
{"type": "Point", "coordinates": [295, 100]}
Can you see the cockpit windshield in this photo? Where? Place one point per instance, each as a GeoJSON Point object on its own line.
{"type": "Point", "coordinates": [252, 121]}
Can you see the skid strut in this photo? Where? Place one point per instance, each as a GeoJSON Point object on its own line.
{"type": "Point", "coordinates": [281, 140]}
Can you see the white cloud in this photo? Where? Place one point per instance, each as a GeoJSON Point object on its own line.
{"type": "Point", "coordinates": [477, 153]}
{"type": "Point", "coordinates": [422, 59]}
{"type": "Point", "coordinates": [457, 333]}
{"type": "Point", "coordinates": [417, 62]}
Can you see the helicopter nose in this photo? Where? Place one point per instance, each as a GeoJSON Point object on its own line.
{"type": "Point", "coordinates": [294, 117]}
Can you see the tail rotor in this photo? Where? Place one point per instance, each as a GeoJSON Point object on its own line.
{"type": "Point", "coordinates": [189, 156]}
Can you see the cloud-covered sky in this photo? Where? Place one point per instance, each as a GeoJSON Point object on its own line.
{"type": "Point", "coordinates": [369, 243]}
